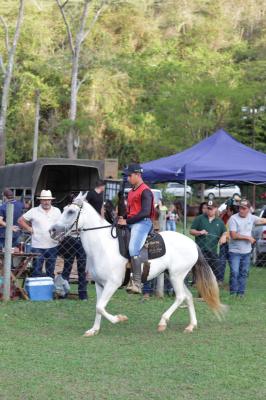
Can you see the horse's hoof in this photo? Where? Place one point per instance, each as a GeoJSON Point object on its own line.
{"type": "Point", "coordinates": [90, 333]}
{"type": "Point", "coordinates": [190, 328]}
{"type": "Point", "coordinates": [122, 318]}
{"type": "Point", "coordinates": [161, 328]}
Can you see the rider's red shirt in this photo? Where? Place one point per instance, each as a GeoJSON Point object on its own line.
{"type": "Point", "coordinates": [134, 205]}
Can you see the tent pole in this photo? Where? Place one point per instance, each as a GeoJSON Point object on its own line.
{"type": "Point", "coordinates": [185, 208]}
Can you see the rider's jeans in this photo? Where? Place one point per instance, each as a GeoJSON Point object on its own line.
{"type": "Point", "coordinates": [139, 233]}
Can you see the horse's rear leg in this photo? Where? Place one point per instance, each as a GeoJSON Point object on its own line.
{"type": "Point", "coordinates": [109, 289]}
{"type": "Point", "coordinates": [191, 310]}
{"type": "Point", "coordinates": [180, 294]}
{"type": "Point", "coordinates": [97, 322]}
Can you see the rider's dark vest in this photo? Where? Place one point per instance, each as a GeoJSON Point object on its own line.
{"type": "Point", "coordinates": [134, 201]}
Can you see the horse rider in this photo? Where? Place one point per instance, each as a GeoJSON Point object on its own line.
{"type": "Point", "coordinates": [140, 211]}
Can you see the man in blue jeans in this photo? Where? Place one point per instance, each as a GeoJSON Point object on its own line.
{"type": "Point", "coordinates": [140, 211]}
{"type": "Point", "coordinates": [73, 249]}
{"type": "Point", "coordinates": [38, 221]}
{"type": "Point", "coordinates": [18, 209]}
{"type": "Point", "coordinates": [240, 245]}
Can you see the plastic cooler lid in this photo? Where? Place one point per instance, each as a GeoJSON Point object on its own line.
{"type": "Point", "coordinates": [39, 281]}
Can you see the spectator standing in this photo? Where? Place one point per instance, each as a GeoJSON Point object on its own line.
{"type": "Point", "coordinates": [209, 231]}
{"type": "Point", "coordinates": [96, 196]}
{"type": "Point", "coordinates": [203, 208]}
{"type": "Point", "coordinates": [162, 216]}
{"type": "Point", "coordinates": [38, 221]}
{"type": "Point", "coordinates": [240, 245]}
{"type": "Point", "coordinates": [27, 203]}
{"type": "Point", "coordinates": [179, 209]}
{"type": "Point", "coordinates": [231, 209]}
{"type": "Point", "coordinates": [71, 248]}
{"type": "Point", "coordinates": [171, 219]}
{"type": "Point", "coordinates": [18, 210]}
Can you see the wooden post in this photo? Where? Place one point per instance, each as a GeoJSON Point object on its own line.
{"type": "Point", "coordinates": [185, 208]}
{"type": "Point", "coordinates": [8, 247]}
{"type": "Point", "coordinates": [160, 286]}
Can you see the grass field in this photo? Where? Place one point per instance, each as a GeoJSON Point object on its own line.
{"type": "Point", "coordinates": [45, 357]}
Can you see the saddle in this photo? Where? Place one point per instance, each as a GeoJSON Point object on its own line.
{"type": "Point", "coordinates": [154, 246]}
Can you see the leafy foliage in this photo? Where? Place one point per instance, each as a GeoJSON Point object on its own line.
{"type": "Point", "coordinates": [158, 76]}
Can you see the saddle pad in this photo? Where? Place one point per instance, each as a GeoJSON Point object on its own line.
{"type": "Point", "coordinates": [154, 243]}
{"type": "Point", "coordinates": [156, 246]}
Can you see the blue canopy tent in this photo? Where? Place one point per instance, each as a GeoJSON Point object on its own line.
{"type": "Point", "coordinates": [220, 157]}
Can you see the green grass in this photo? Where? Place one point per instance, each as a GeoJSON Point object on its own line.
{"type": "Point", "coordinates": [45, 357]}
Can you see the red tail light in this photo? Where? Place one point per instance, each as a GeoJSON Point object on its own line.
{"type": "Point", "coordinates": [263, 235]}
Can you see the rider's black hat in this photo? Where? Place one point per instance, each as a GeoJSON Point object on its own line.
{"type": "Point", "coordinates": [133, 168]}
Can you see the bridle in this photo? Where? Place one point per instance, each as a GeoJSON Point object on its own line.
{"type": "Point", "coordinates": [75, 224]}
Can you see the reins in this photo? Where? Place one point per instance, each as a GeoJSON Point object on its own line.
{"type": "Point", "coordinates": [90, 229]}
{"type": "Point", "coordinates": [93, 229]}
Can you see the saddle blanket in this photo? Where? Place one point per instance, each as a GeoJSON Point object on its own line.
{"type": "Point", "coordinates": [154, 245]}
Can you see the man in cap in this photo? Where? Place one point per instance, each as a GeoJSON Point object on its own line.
{"type": "Point", "coordinates": [240, 246]}
{"type": "Point", "coordinates": [140, 211]}
{"type": "Point", "coordinates": [209, 231]}
{"type": "Point", "coordinates": [18, 209]}
{"type": "Point", "coordinates": [38, 221]}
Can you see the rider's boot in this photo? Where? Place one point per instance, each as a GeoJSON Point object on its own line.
{"type": "Point", "coordinates": [134, 285]}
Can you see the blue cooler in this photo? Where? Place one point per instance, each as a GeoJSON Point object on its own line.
{"type": "Point", "coordinates": [40, 289]}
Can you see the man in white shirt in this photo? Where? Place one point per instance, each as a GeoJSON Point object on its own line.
{"type": "Point", "coordinates": [38, 221]}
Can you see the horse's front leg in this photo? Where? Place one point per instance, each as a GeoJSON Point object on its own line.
{"type": "Point", "coordinates": [97, 322]}
{"type": "Point", "coordinates": [109, 289]}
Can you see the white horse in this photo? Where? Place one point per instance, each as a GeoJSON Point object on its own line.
{"type": "Point", "coordinates": [107, 267]}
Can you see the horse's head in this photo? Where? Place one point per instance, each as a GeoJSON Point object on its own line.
{"type": "Point", "coordinates": [70, 220]}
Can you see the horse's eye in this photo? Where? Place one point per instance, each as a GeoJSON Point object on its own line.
{"type": "Point", "coordinates": [70, 212]}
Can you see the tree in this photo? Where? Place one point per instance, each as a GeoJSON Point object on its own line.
{"type": "Point", "coordinates": [75, 48]}
{"type": "Point", "coordinates": [153, 77]}
{"type": "Point", "coordinates": [7, 74]}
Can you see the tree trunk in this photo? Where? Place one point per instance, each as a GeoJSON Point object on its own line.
{"type": "Point", "coordinates": [72, 147]}
{"type": "Point", "coordinates": [6, 84]}
{"type": "Point", "coordinates": [72, 151]}
{"type": "Point", "coordinates": [36, 126]}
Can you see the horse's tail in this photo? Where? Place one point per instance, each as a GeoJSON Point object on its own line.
{"type": "Point", "coordinates": [207, 285]}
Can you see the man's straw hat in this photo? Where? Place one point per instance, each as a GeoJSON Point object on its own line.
{"type": "Point", "coordinates": [46, 195]}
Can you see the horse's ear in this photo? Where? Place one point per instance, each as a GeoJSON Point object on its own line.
{"type": "Point", "coordinates": [79, 196]}
{"type": "Point", "coordinates": [84, 195]}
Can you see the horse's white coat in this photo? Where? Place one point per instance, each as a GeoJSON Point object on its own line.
{"type": "Point", "coordinates": [107, 266]}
